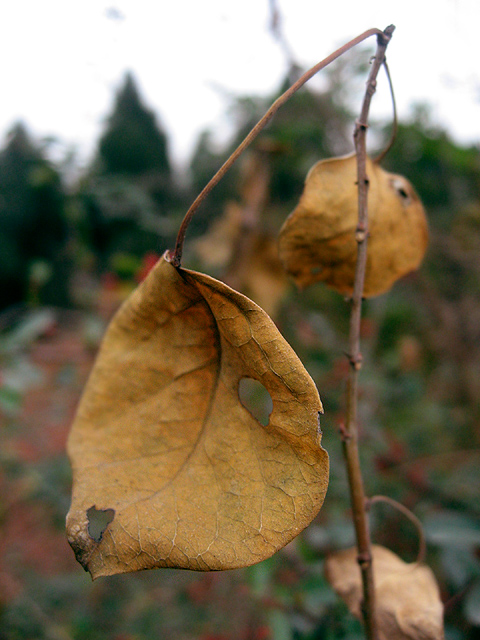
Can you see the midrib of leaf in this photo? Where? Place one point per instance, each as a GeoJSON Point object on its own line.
{"type": "Point", "coordinates": [208, 411]}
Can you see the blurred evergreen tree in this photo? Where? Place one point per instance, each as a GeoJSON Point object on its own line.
{"type": "Point", "coordinates": [133, 144]}
{"type": "Point", "coordinates": [33, 227]}
{"type": "Point", "coordinates": [129, 196]}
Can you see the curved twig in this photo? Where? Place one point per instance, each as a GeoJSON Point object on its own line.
{"type": "Point", "coordinates": [175, 256]}
{"type": "Point", "coordinates": [422, 545]}
{"type": "Point", "coordinates": [394, 132]}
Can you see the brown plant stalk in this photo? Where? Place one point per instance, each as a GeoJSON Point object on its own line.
{"type": "Point", "coordinates": [350, 430]}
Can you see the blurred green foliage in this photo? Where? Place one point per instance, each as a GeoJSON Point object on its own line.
{"type": "Point", "coordinates": [33, 226]}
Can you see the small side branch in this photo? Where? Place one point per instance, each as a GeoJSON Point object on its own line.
{"type": "Point", "coordinates": [422, 545]}
{"type": "Point", "coordinates": [350, 439]}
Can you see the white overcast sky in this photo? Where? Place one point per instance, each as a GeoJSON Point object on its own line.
{"type": "Point", "coordinates": [61, 60]}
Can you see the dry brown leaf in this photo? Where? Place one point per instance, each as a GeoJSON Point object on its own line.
{"type": "Point", "coordinates": [264, 279]}
{"type": "Point", "coordinates": [317, 241]}
{"type": "Point", "coordinates": [162, 443]}
{"type": "Point", "coordinates": [215, 248]}
{"type": "Point", "coordinates": [239, 242]}
{"type": "Point", "coordinates": [407, 595]}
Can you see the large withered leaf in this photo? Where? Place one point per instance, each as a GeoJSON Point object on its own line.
{"type": "Point", "coordinates": [407, 596]}
{"type": "Point", "coordinates": [162, 444]}
{"type": "Point", "coordinates": [317, 241]}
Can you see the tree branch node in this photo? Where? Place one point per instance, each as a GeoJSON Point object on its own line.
{"type": "Point", "coordinates": [344, 433]}
{"type": "Point", "coordinates": [360, 126]}
{"type": "Point", "coordinates": [364, 560]}
{"type": "Point", "coordinates": [356, 361]}
{"type": "Point", "coordinates": [360, 234]}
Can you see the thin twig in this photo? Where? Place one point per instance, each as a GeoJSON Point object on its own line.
{"type": "Point", "coordinates": [350, 440]}
{"type": "Point", "coordinates": [394, 132]}
{"type": "Point", "coordinates": [175, 256]}
{"type": "Point", "coordinates": [422, 545]}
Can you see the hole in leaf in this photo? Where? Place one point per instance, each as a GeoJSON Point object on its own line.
{"type": "Point", "coordinates": [401, 190]}
{"type": "Point", "coordinates": [319, 426]}
{"type": "Point", "coordinates": [256, 399]}
{"type": "Point", "coordinates": [98, 521]}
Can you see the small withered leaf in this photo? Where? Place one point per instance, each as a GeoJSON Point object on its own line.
{"type": "Point", "coordinates": [407, 595]}
{"type": "Point", "coordinates": [249, 258]}
{"type": "Point", "coordinates": [318, 240]}
{"type": "Point", "coordinates": [162, 441]}
{"type": "Point", "coordinates": [264, 280]}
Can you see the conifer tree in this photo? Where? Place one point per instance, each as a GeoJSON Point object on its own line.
{"type": "Point", "coordinates": [33, 227]}
{"type": "Point", "coordinates": [133, 144]}
{"type": "Point", "coordinates": [129, 195]}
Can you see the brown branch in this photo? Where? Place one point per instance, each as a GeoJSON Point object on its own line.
{"type": "Point", "coordinates": [422, 545]}
{"type": "Point", "coordinates": [350, 441]}
{"type": "Point", "coordinates": [175, 256]}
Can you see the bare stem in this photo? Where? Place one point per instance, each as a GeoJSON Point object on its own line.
{"type": "Point", "coordinates": [175, 256]}
{"type": "Point", "coordinates": [350, 432]}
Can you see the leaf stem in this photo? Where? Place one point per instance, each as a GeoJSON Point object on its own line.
{"type": "Point", "coordinates": [175, 256]}
{"type": "Point", "coordinates": [422, 545]}
{"type": "Point", "coordinates": [350, 431]}
{"type": "Point", "coordinates": [394, 132]}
